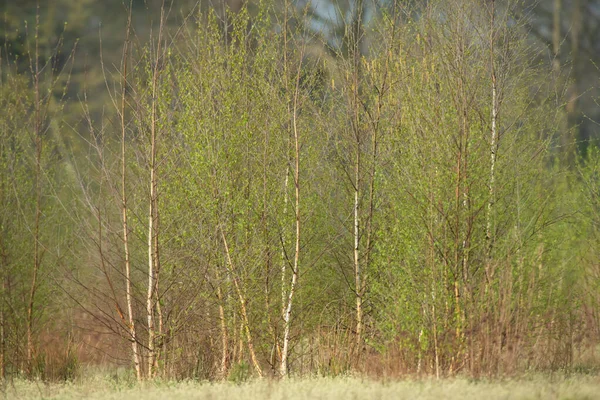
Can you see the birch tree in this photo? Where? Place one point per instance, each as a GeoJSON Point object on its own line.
{"type": "Point", "coordinates": [127, 259]}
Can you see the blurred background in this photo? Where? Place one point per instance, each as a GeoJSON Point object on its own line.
{"type": "Point", "coordinates": [94, 31]}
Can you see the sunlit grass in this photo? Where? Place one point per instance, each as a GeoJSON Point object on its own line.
{"type": "Point", "coordinates": [119, 386]}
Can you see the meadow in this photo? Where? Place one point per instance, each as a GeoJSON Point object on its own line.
{"type": "Point", "coordinates": [119, 386]}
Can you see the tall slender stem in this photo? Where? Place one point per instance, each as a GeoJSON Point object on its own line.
{"type": "Point", "coordinates": [128, 294]}
{"type": "Point", "coordinates": [288, 312]}
{"type": "Point", "coordinates": [38, 199]}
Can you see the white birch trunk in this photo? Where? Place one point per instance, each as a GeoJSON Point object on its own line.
{"type": "Point", "coordinates": [283, 370]}
{"type": "Point", "coordinates": [149, 298]}
{"type": "Point", "coordinates": [493, 146]}
{"type": "Point", "coordinates": [224, 339]}
{"type": "Point", "coordinates": [283, 244]}
{"type": "Point", "coordinates": [152, 213]}
{"type": "Point", "coordinates": [130, 319]}
{"type": "Point", "coordinates": [287, 172]}
{"type": "Point", "coordinates": [242, 299]}
{"type": "Point", "coordinates": [357, 271]}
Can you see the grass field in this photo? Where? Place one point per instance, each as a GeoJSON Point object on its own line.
{"type": "Point", "coordinates": [578, 387]}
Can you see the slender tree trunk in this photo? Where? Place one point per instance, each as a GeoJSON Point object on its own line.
{"type": "Point", "coordinates": [268, 259]}
{"type": "Point", "coordinates": [150, 292]}
{"type": "Point", "coordinates": [130, 318]}
{"type": "Point", "coordinates": [356, 204]}
{"type": "Point", "coordinates": [283, 370]}
{"type": "Point", "coordinates": [284, 260]}
{"type": "Point", "coordinates": [457, 263]}
{"type": "Point", "coordinates": [153, 262]}
{"type": "Point", "coordinates": [160, 349]}
{"type": "Point", "coordinates": [434, 277]}
{"type": "Point", "coordinates": [489, 233]}
{"type": "Point", "coordinates": [436, 353]}
{"type": "Point", "coordinates": [356, 41]}
{"type": "Point", "coordinates": [362, 271]}
{"type": "Point", "coordinates": [435, 271]}
{"type": "Point", "coordinates": [242, 299]}
{"type": "Point", "coordinates": [38, 201]}
{"type": "Point", "coordinates": [162, 339]}
{"type": "Point", "coordinates": [151, 270]}
{"type": "Point", "coordinates": [128, 292]}
{"type": "Point", "coordinates": [493, 147]}
{"type": "Point", "coordinates": [493, 154]}
{"type": "Point", "coordinates": [224, 338]}
{"type": "Point", "coordinates": [283, 245]}
{"type": "Point", "coordinates": [357, 270]}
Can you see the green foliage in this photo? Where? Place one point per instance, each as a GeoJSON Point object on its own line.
{"type": "Point", "coordinates": [239, 373]}
{"type": "Point", "coordinates": [471, 253]}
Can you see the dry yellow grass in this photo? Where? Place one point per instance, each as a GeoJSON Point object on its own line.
{"type": "Point", "coordinates": [539, 387]}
